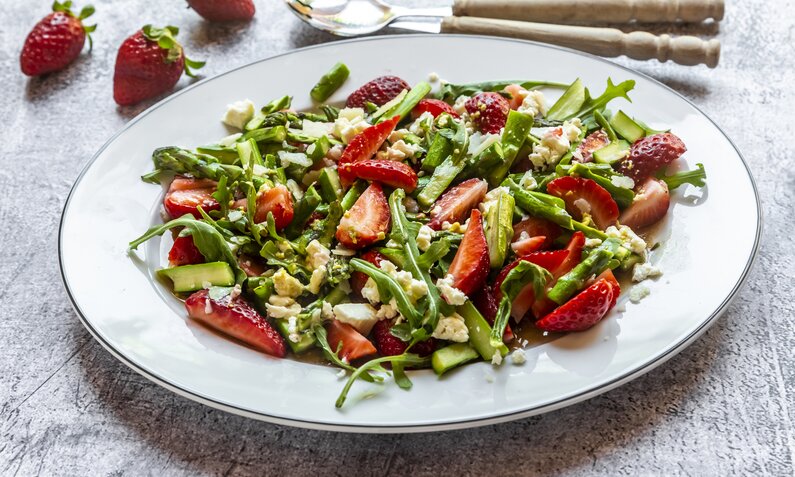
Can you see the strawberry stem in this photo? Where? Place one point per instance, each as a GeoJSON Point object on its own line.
{"type": "Point", "coordinates": [166, 39]}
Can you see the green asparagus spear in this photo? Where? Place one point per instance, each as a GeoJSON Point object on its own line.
{"type": "Point", "coordinates": [513, 137]}
{"type": "Point", "coordinates": [540, 205]}
{"type": "Point", "coordinates": [330, 82]}
{"type": "Point", "coordinates": [595, 263]}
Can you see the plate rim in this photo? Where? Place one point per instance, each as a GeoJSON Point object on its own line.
{"type": "Point", "coordinates": [672, 351]}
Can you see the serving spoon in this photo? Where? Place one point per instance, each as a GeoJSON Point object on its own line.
{"type": "Point", "coordinates": [361, 17]}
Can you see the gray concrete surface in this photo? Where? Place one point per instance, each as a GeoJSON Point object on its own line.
{"type": "Point", "coordinates": [724, 406]}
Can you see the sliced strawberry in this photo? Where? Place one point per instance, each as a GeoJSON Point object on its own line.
{"type": "Point", "coordinates": [238, 319]}
{"type": "Point", "coordinates": [586, 309]}
{"type": "Point", "coordinates": [544, 305]}
{"type": "Point", "coordinates": [534, 226]}
{"type": "Point", "coordinates": [390, 345]}
{"type": "Point", "coordinates": [364, 146]}
{"type": "Point", "coordinates": [391, 173]}
{"type": "Point", "coordinates": [455, 204]}
{"type": "Point", "coordinates": [529, 245]}
{"type": "Point", "coordinates": [486, 303]}
{"type": "Point", "coordinates": [517, 95]}
{"type": "Point", "coordinates": [585, 197]}
{"type": "Point", "coordinates": [186, 194]}
{"type": "Point", "coordinates": [378, 91]}
{"type": "Point", "coordinates": [278, 201]}
{"type": "Point", "coordinates": [526, 298]}
{"type": "Point", "coordinates": [470, 266]}
{"type": "Point", "coordinates": [367, 221]}
{"type": "Point", "coordinates": [649, 205]}
{"type": "Point", "coordinates": [353, 344]}
{"type": "Point", "coordinates": [184, 252]}
{"type": "Point", "coordinates": [649, 154]}
{"type": "Point", "coordinates": [595, 140]}
{"type": "Point", "coordinates": [489, 111]}
{"type": "Point", "coordinates": [358, 279]}
{"type": "Point", "coordinates": [610, 278]}
{"type": "Point", "coordinates": [433, 106]}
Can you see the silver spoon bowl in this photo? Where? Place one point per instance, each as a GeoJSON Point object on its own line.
{"type": "Point", "coordinates": [357, 17]}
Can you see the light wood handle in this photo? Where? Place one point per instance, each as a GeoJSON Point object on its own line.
{"type": "Point", "coordinates": [685, 50]}
{"type": "Point", "coordinates": [592, 11]}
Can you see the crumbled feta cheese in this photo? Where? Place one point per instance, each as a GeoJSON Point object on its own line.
{"type": "Point", "coordinates": [460, 104]}
{"type": "Point", "coordinates": [452, 328]}
{"type": "Point", "coordinates": [298, 158]}
{"type": "Point", "coordinates": [398, 151]}
{"type": "Point", "coordinates": [479, 142]}
{"type": "Point", "coordinates": [421, 124]}
{"type": "Point", "coordinates": [292, 329]}
{"type": "Point", "coordinates": [555, 143]}
{"type": "Point", "coordinates": [583, 205]}
{"type": "Point", "coordinates": [230, 140]}
{"type": "Point", "coordinates": [593, 242]}
{"type": "Point", "coordinates": [316, 128]}
{"type": "Point", "coordinates": [638, 293]}
{"type": "Point", "coordinates": [387, 311]}
{"type": "Point", "coordinates": [349, 123]}
{"type": "Point", "coordinates": [642, 271]}
{"type": "Point", "coordinates": [208, 306]}
{"type": "Point", "coordinates": [282, 307]}
{"type": "Point", "coordinates": [342, 373]}
{"type": "Point", "coordinates": [433, 77]}
{"type": "Point", "coordinates": [623, 181]}
{"type": "Point", "coordinates": [424, 237]}
{"type": "Point", "coordinates": [455, 227]}
{"type": "Point", "coordinates": [496, 359]}
{"type": "Point", "coordinates": [286, 285]}
{"type": "Point", "coordinates": [327, 311]}
{"type": "Point", "coordinates": [317, 255]}
{"type": "Point", "coordinates": [259, 170]}
{"type": "Point", "coordinates": [238, 113]}
{"type": "Point", "coordinates": [335, 153]}
{"type": "Point", "coordinates": [370, 292]}
{"type": "Point", "coordinates": [451, 294]}
{"type": "Point", "coordinates": [628, 238]}
{"type": "Point", "coordinates": [518, 357]}
{"type": "Point", "coordinates": [316, 280]}
{"type": "Point", "coordinates": [533, 104]}
{"type": "Point", "coordinates": [528, 181]}
{"type": "Point", "coordinates": [361, 316]}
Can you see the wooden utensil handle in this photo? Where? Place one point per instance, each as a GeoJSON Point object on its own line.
{"type": "Point", "coordinates": [592, 11]}
{"type": "Point", "coordinates": [685, 50]}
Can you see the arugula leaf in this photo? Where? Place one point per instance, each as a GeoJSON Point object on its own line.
{"type": "Point", "coordinates": [521, 275]}
{"type": "Point", "coordinates": [388, 288]}
{"type": "Point", "coordinates": [176, 160]}
{"type": "Point", "coordinates": [207, 239]}
{"type": "Point", "coordinates": [612, 92]}
{"type": "Point", "coordinates": [405, 359]}
{"type": "Point", "coordinates": [696, 177]}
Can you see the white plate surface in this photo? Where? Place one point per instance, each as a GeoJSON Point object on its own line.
{"type": "Point", "coordinates": [707, 253]}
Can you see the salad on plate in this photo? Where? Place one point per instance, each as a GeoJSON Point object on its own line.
{"type": "Point", "coordinates": [415, 227]}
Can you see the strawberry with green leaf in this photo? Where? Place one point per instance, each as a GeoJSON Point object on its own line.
{"type": "Point", "coordinates": [149, 63]}
{"type": "Point", "coordinates": [57, 40]}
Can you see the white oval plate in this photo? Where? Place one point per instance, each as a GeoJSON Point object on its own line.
{"type": "Point", "coordinates": [706, 255]}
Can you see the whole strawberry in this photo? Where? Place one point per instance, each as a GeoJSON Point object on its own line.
{"type": "Point", "coordinates": [149, 63]}
{"type": "Point", "coordinates": [489, 111]}
{"type": "Point", "coordinates": [223, 10]}
{"type": "Point", "coordinates": [56, 41]}
{"type": "Point", "coordinates": [378, 91]}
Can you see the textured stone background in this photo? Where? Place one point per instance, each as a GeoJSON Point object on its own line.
{"type": "Point", "coordinates": [723, 406]}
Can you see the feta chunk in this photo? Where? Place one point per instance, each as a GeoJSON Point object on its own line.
{"type": "Point", "coordinates": [642, 271]}
{"type": "Point", "coordinates": [286, 285]}
{"type": "Point", "coordinates": [496, 359]}
{"type": "Point", "coordinates": [238, 113]}
{"type": "Point", "coordinates": [460, 105]}
{"type": "Point", "coordinates": [424, 237]}
{"type": "Point", "coordinates": [451, 294]}
{"type": "Point", "coordinates": [316, 128]}
{"type": "Point", "coordinates": [349, 123]}
{"type": "Point", "coordinates": [638, 293]}
{"type": "Point", "coordinates": [282, 307]}
{"type": "Point", "coordinates": [316, 280]}
{"type": "Point", "coordinates": [327, 311]}
{"type": "Point", "coordinates": [628, 238]}
{"type": "Point", "coordinates": [421, 124]}
{"type": "Point", "coordinates": [317, 255]}
{"type": "Point", "coordinates": [452, 328]}
{"type": "Point", "coordinates": [370, 292]}
{"type": "Point", "coordinates": [518, 357]}
{"type": "Point", "coordinates": [359, 315]}
{"type": "Point", "coordinates": [387, 311]}
{"type": "Point", "coordinates": [555, 143]}
{"type": "Point", "coordinates": [398, 151]}
{"type": "Point", "coordinates": [533, 103]}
